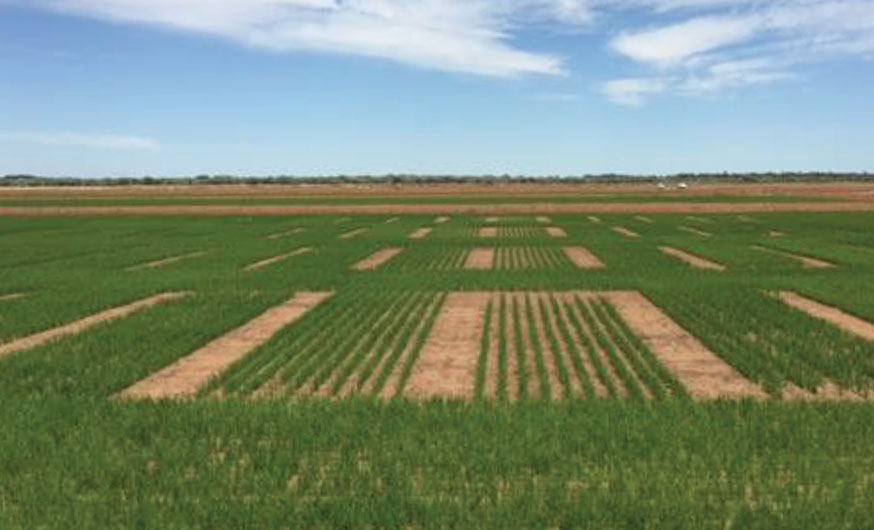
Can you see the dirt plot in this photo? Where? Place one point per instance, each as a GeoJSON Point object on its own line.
{"type": "Point", "coordinates": [392, 220]}
{"type": "Point", "coordinates": [353, 233]}
{"type": "Point", "coordinates": [488, 232]}
{"type": "Point", "coordinates": [187, 375]}
{"type": "Point", "coordinates": [705, 375]}
{"type": "Point", "coordinates": [11, 296]}
{"type": "Point", "coordinates": [583, 258]}
{"type": "Point", "coordinates": [776, 233]}
{"type": "Point", "coordinates": [593, 219]}
{"type": "Point", "coordinates": [440, 220]}
{"type": "Point", "coordinates": [525, 258]}
{"type": "Point", "coordinates": [833, 315]}
{"type": "Point", "coordinates": [696, 261]}
{"type": "Point", "coordinates": [377, 260]}
{"type": "Point", "coordinates": [544, 220]}
{"type": "Point", "coordinates": [448, 360]}
{"type": "Point", "coordinates": [695, 231]}
{"type": "Point", "coordinates": [643, 219]}
{"type": "Point", "coordinates": [421, 233]}
{"type": "Point", "coordinates": [556, 231]}
{"type": "Point", "coordinates": [276, 259]}
{"type": "Point", "coordinates": [806, 261]}
{"type": "Point", "coordinates": [480, 259]}
{"type": "Point", "coordinates": [625, 232]}
{"type": "Point", "coordinates": [79, 326]}
{"type": "Point", "coordinates": [285, 234]}
{"type": "Point", "coordinates": [167, 261]}
{"type": "Point", "coordinates": [493, 219]}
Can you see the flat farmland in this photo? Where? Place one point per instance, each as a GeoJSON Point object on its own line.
{"type": "Point", "coordinates": [699, 369]}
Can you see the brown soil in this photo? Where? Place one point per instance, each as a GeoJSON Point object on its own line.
{"type": "Point", "coordinates": [534, 390]}
{"type": "Point", "coordinates": [184, 377]}
{"type": "Point", "coordinates": [446, 367]}
{"type": "Point", "coordinates": [705, 375]}
{"type": "Point", "coordinates": [806, 262]}
{"type": "Point", "coordinates": [393, 220]}
{"type": "Point", "coordinates": [544, 220]}
{"type": "Point", "coordinates": [597, 384]}
{"type": "Point", "coordinates": [12, 296]}
{"type": "Point", "coordinates": [582, 258]}
{"type": "Point", "coordinates": [695, 231]}
{"type": "Point", "coordinates": [512, 353]}
{"type": "Point", "coordinates": [625, 232]}
{"type": "Point", "coordinates": [377, 259]}
{"type": "Point", "coordinates": [644, 219]}
{"type": "Point", "coordinates": [286, 233]}
{"type": "Point", "coordinates": [421, 233]}
{"type": "Point", "coordinates": [776, 233]}
{"type": "Point", "coordinates": [571, 298]}
{"type": "Point", "coordinates": [480, 259]}
{"type": "Point", "coordinates": [833, 315]}
{"type": "Point", "coordinates": [556, 231]}
{"type": "Point", "coordinates": [79, 326]}
{"type": "Point", "coordinates": [166, 261]}
{"type": "Point", "coordinates": [350, 235]}
{"type": "Point", "coordinates": [488, 232]}
{"type": "Point", "coordinates": [696, 261]}
{"type": "Point", "coordinates": [276, 259]}
{"type": "Point", "coordinates": [490, 389]}
{"type": "Point", "coordinates": [540, 323]}
{"type": "Point", "coordinates": [440, 220]}
{"type": "Point", "coordinates": [493, 219]}
{"type": "Point", "coordinates": [596, 220]}
{"type": "Point", "coordinates": [829, 391]}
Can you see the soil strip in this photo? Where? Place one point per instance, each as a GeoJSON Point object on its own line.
{"type": "Point", "coordinates": [392, 220]}
{"type": "Point", "coordinates": [704, 374]}
{"type": "Point", "coordinates": [492, 219]}
{"type": "Point", "coordinates": [625, 232]}
{"type": "Point", "coordinates": [440, 220]}
{"type": "Point", "coordinates": [830, 314]}
{"type": "Point", "coordinates": [583, 258]}
{"type": "Point", "coordinates": [696, 261]}
{"type": "Point", "coordinates": [695, 231]}
{"type": "Point", "coordinates": [446, 367]}
{"type": "Point", "coordinates": [806, 262]}
{"type": "Point", "coordinates": [184, 377]}
{"type": "Point", "coordinates": [12, 296]}
{"type": "Point", "coordinates": [286, 233]}
{"type": "Point", "coordinates": [594, 219]}
{"type": "Point", "coordinates": [79, 326]}
{"type": "Point", "coordinates": [556, 231]}
{"type": "Point", "coordinates": [167, 261]}
{"type": "Point", "coordinates": [644, 219]}
{"type": "Point", "coordinates": [776, 233]}
{"type": "Point", "coordinates": [421, 233]}
{"type": "Point", "coordinates": [276, 259]}
{"type": "Point", "coordinates": [543, 219]}
{"type": "Point", "coordinates": [480, 259]}
{"type": "Point", "coordinates": [377, 259]}
{"type": "Point", "coordinates": [350, 235]}
{"type": "Point", "coordinates": [488, 232]}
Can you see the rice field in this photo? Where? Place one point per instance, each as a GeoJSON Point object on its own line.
{"type": "Point", "coordinates": [437, 371]}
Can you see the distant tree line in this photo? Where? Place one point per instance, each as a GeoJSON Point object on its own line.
{"type": "Point", "coordinates": [405, 179]}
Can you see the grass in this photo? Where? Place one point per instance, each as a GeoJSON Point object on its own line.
{"type": "Point", "coordinates": [71, 456]}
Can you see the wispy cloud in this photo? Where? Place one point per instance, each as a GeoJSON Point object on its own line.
{"type": "Point", "coordinates": [633, 92]}
{"type": "Point", "coordinates": [84, 140]}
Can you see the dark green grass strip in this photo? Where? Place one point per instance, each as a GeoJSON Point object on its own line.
{"type": "Point", "coordinates": [501, 387]}
{"type": "Point", "coordinates": [482, 364]}
{"type": "Point", "coordinates": [521, 354]}
{"type": "Point", "coordinates": [555, 347]}
{"type": "Point", "coordinates": [546, 390]}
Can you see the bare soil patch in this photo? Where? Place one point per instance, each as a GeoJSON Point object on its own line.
{"type": "Point", "coordinates": [11, 296]}
{"type": "Point", "coordinates": [79, 326]}
{"type": "Point", "coordinates": [488, 232]}
{"type": "Point", "coordinates": [480, 259]}
{"type": "Point", "coordinates": [696, 261]}
{"type": "Point", "coordinates": [833, 315]}
{"type": "Point", "coordinates": [392, 220]}
{"type": "Point", "coordinates": [596, 220]}
{"type": "Point", "coordinates": [695, 231]}
{"type": "Point", "coordinates": [286, 233]}
{"type": "Point", "coordinates": [440, 220]}
{"type": "Point", "coordinates": [703, 373]}
{"type": "Point", "coordinates": [492, 219]}
{"type": "Point", "coordinates": [806, 261]}
{"type": "Point", "coordinates": [377, 259]}
{"type": "Point", "coordinates": [776, 233]}
{"type": "Point", "coordinates": [643, 219]}
{"type": "Point", "coordinates": [556, 231]}
{"type": "Point", "coordinates": [583, 258]}
{"type": "Point", "coordinates": [167, 261]}
{"type": "Point", "coordinates": [353, 233]}
{"type": "Point", "coordinates": [421, 233]}
{"type": "Point", "coordinates": [544, 219]}
{"type": "Point", "coordinates": [185, 377]}
{"type": "Point", "coordinates": [276, 259]}
{"type": "Point", "coordinates": [625, 232]}
{"type": "Point", "coordinates": [446, 367]}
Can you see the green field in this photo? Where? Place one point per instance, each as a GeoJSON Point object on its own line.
{"type": "Point", "coordinates": [71, 455]}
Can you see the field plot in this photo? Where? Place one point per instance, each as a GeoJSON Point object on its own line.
{"type": "Point", "coordinates": [523, 258]}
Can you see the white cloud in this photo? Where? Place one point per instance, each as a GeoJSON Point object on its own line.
{"type": "Point", "coordinates": [633, 92]}
{"type": "Point", "coordinates": [85, 140]}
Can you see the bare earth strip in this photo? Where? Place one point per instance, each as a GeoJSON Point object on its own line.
{"type": "Point", "coordinates": [543, 219]}
{"type": "Point", "coordinates": [377, 259]}
{"type": "Point", "coordinates": [556, 231]}
{"type": "Point", "coordinates": [695, 231]}
{"type": "Point", "coordinates": [583, 258]}
{"type": "Point", "coordinates": [644, 219]}
{"type": "Point", "coordinates": [625, 232]}
{"type": "Point", "coordinates": [806, 262]}
{"type": "Point", "coordinates": [480, 259]}
{"type": "Point", "coordinates": [699, 219]}
{"type": "Point", "coordinates": [705, 375]}
{"type": "Point", "coordinates": [350, 235]}
{"type": "Point", "coordinates": [447, 365]}
{"type": "Point", "coordinates": [488, 232]}
{"type": "Point", "coordinates": [776, 233]}
{"type": "Point", "coordinates": [276, 259]}
{"type": "Point", "coordinates": [184, 377]}
{"type": "Point", "coordinates": [392, 220]}
{"type": "Point", "coordinates": [833, 315]}
{"type": "Point", "coordinates": [440, 220]}
{"type": "Point", "coordinates": [492, 219]}
{"type": "Point", "coordinates": [696, 261]}
{"type": "Point", "coordinates": [74, 328]}
{"type": "Point", "coordinates": [421, 233]}
{"type": "Point", "coordinates": [167, 261]}
{"type": "Point", "coordinates": [12, 296]}
{"type": "Point", "coordinates": [286, 233]}
{"type": "Point", "coordinates": [594, 219]}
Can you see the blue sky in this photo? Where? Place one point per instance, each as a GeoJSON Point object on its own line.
{"type": "Point", "coordinates": [537, 87]}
